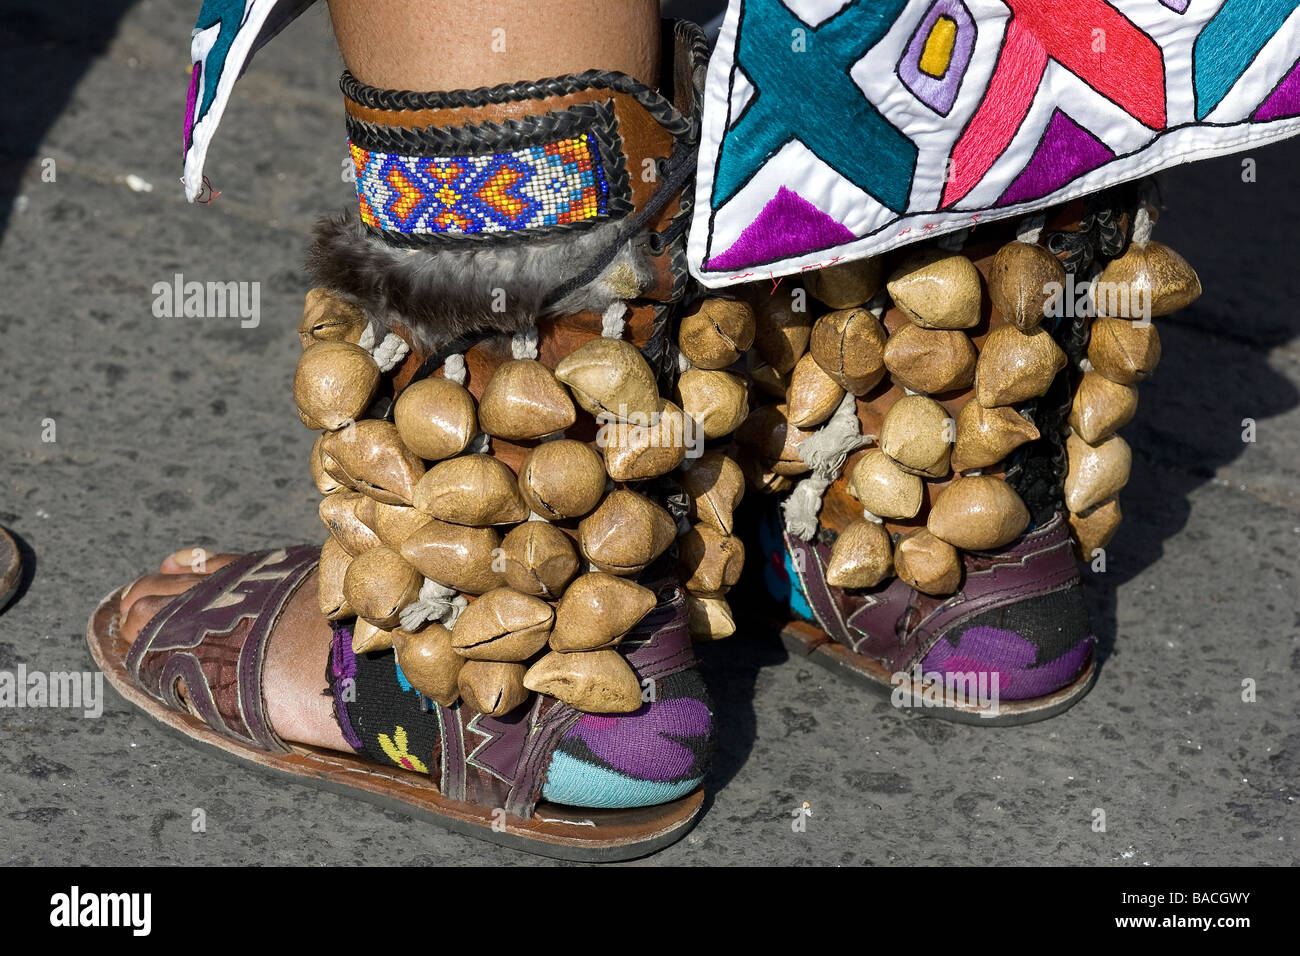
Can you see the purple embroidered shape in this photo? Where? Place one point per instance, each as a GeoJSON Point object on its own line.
{"type": "Point", "coordinates": [343, 667]}
{"type": "Point", "coordinates": [1011, 657]}
{"type": "Point", "coordinates": [1065, 153]}
{"type": "Point", "coordinates": [787, 226]}
{"type": "Point", "coordinates": [644, 744]}
{"type": "Point", "coordinates": [1178, 6]}
{"type": "Point", "coordinates": [939, 92]}
{"type": "Point", "coordinates": [1283, 101]}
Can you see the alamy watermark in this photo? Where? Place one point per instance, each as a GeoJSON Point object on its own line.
{"type": "Point", "coordinates": [179, 299]}
{"type": "Point", "coordinates": [1086, 298]}
{"type": "Point", "coordinates": [74, 690]}
{"type": "Point", "coordinates": [965, 689]}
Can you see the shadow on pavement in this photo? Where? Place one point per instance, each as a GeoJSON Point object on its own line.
{"type": "Point", "coordinates": [45, 48]}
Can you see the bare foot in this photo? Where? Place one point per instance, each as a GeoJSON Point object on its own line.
{"type": "Point", "coordinates": [297, 652]}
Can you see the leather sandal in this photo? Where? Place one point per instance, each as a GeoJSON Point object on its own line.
{"type": "Point", "coordinates": [196, 668]}
{"type": "Point", "coordinates": [941, 422]}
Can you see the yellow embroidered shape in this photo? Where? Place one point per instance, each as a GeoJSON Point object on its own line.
{"type": "Point", "coordinates": [938, 47]}
{"type": "Point", "coordinates": [397, 752]}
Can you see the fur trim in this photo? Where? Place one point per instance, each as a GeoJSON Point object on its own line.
{"type": "Point", "coordinates": [442, 291]}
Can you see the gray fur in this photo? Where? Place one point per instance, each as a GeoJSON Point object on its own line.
{"type": "Point", "coordinates": [446, 289]}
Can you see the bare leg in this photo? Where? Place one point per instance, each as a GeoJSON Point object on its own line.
{"type": "Point", "coordinates": [463, 44]}
{"type": "Point", "coordinates": [420, 45]}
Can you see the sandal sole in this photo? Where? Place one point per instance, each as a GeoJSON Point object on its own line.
{"type": "Point", "coordinates": [806, 641]}
{"type": "Point", "coordinates": [562, 833]}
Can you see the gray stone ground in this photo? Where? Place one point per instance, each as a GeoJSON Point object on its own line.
{"type": "Point", "coordinates": [173, 431]}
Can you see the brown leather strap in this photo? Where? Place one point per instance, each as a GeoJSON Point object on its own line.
{"type": "Point", "coordinates": [214, 636]}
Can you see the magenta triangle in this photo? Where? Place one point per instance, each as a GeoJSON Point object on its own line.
{"type": "Point", "coordinates": [1065, 153]}
{"type": "Point", "coordinates": [1283, 101]}
{"type": "Point", "coordinates": [788, 226]}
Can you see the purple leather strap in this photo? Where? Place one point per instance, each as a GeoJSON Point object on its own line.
{"type": "Point", "coordinates": [213, 637]}
{"type": "Point", "coordinates": [898, 625]}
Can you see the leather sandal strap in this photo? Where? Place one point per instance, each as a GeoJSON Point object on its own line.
{"type": "Point", "coordinates": [214, 636]}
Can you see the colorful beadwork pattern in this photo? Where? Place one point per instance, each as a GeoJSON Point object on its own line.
{"type": "Point", "coordinates": [555, 184]}
{"type": "Point", "coordinates": [837, 130]}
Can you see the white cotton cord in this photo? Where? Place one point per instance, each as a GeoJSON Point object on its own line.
{"type": "Point", "coordinates": [389, 353]}
{"type": "Point", "coordinates": [368, 335]}
{"type": "Point", "coordinates": [1085, 365]}
{"type": "Point", "coordinates": [480, 444]}
{"type": "Point", "coordinates": [909, 391]}
{"type": "Point", "coordinates": [436, 602]}
{"type": "Point", "coordinates": [453, 370]}
{"type": "Point", "coordinates": [825, 452]}
{"type": "Point", "coordinates": [534, 516]}
{"type": "Point", "coordinates": [953, 241]}
{"type": "Point", "coordinates": [1142, 225]}
{"type": "Point", "coordinates": [874, 518]}
{"type": "Point", "coordinates": [524, 344]}
{"type": "Point", "coordinates": [614, 321]}
{"type": "Point", "coordinates": [1031, 228]}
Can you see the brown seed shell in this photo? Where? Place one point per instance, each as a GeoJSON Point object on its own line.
{"type": "Point", "coordinates": [502, 625]}
{"type": "Point", "coordinates": [636, 451]}
{"type": "Point", "coordinates": [813, 395]}
{"type": "Point", "coordinates": [1095, 527]}
{"type": "Point", "coordinates": [862, 556]}
{"type": "Point", "coordinates": [978, 513]}
{"type": "Point", "coordinates": [456, 556]}
{"type": "Point", "coordinates": [596, 682]}
{"type": "Point", "coordinates": [916, 433]}
{"type": "Point", "coordinates": [597, 610]}
{"type": "Point", "coordinates": [782, 325]}
{"type": "Point", "coordinates": [370, 457]}
{"type": "Point", "coordinates": [625, 533]}
{"type": "Point", "coordinates": [715, 485]}
{"type": "Point", "coordinates": [1149, 279]}
{"type": "Point", "coordinates": [1015, 366]}
{"type": "Point", "coordinates": [435, 418]}
{"type": "Point", "coordinates": [610, 378]}
{"type": "Point", "coordinates": [849, 346]}
{"type": "Point", "coordinates": [709, 560]}
{"type": "Point", "coordinates": [367, 638]}
{"type": "Point", "coordinates": [1101, 407]}
{"type": "Point", "coordinates": [937, 289]}
{"type": "Point", "coordinates": [717, 333]}
{"type": "Point", "coordinates": [523, 400]}
{"type": "Point", "coordinates": [847, 284]}
{"type": "Point", "coordinates": [717, 402]}
{"type": "Point", "coordinates": [335, 382]}
{"type": "Point", "coordinates": [494, 688]}
{"type": "Point", "coordinates": [885, 489]}
{"type": "Point", "coordinates": [709, 616]}
{"type": "Point", "coordinates": [1021, 279]}
{"type": "Point", "coordinates": [985, 436]}
{"type": "Point", "coordinates": [562, 479]}
{"type": "Point", "coordinates": [927, 563]}
{"type": "Point", "coordinates": [475, 490]}
{"type": "Point", "coordinates": [1095, 472]}
{"type": "Point", "coordinates": [539, 559]}
{"type": "Point", "coordinates": [1123, 351]}
{"type": "Point", "coordinates": [328, 318]}
{"type": "Point", "coordinates": [378, 584]}
{"type": "Point", "coordinates": [429, 662]}
{"type": "Point", "coordinates": [932, 361]}
{"type": "Point", "coordinates": [334, 561]}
